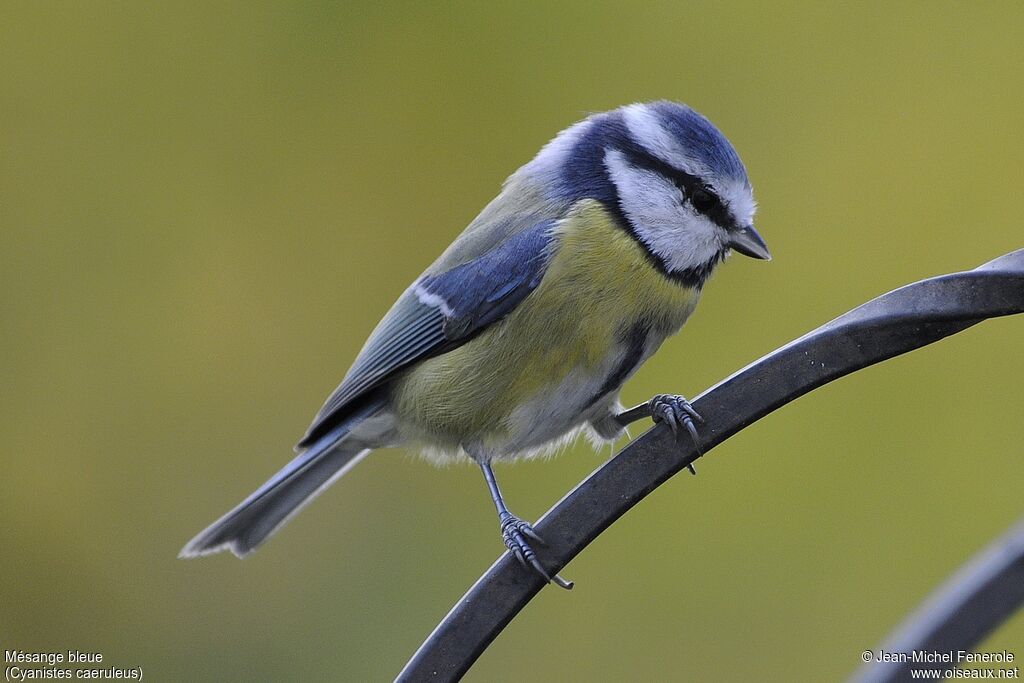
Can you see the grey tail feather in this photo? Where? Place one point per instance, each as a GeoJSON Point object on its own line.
{"type": "Point", "coordinates": [255, 519]}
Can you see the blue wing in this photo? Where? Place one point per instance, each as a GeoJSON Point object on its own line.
{"type": "Point", "coordinates": [439, 313]}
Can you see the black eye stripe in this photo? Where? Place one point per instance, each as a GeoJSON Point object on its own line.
{"type": "Point", "coordinates": [690, 185]}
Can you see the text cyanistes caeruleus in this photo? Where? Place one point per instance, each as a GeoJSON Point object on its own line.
{"type": "Point", "coordinates": [520, 336]}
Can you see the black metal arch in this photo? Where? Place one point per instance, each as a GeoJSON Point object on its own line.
{"type": "Point", "coordinates": [980, 596]}
{"type": "Point", "coordinates": [902, 320]}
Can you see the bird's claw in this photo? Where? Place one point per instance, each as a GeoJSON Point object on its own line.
{"type": "Point", "coordinates": [515, 533]}
{"type": "Point", "coordinates": [676, 411]}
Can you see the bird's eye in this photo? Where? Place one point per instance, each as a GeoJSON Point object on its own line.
{"type": "Point", "coordinates": [703, 200]}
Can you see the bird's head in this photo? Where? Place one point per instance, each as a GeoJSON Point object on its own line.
{"type": "Point", "coordinates": [669, 176]}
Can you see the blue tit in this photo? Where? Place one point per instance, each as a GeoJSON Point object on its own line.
{"type": "Point", "coordinates": [521, 335]}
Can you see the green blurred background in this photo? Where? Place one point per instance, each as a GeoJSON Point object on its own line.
{"type": "Point", "coordinates": [206, 208]}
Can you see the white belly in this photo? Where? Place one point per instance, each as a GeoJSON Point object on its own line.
{"type": "Point", "coordinates": [557, 416]}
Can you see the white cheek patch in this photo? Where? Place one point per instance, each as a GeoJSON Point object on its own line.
{"type": "Point", "coordinates": [673, 231]}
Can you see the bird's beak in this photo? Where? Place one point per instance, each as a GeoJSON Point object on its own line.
{"type": "Point", "coordinates": [749, 243]}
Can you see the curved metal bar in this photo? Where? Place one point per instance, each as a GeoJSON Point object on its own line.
{"type": "Point", "coordinates": [900, 321]}
{"type": "Point", "coordinates": [957, 616]}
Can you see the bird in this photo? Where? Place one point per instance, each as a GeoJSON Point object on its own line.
{"type": "Point", "coordinates": [520, 336]}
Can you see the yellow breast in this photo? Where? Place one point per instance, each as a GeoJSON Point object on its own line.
{"type": "Point", "coordinates": [599, 283]}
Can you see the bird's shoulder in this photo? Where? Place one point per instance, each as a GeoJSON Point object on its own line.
{"type": "Point", "coordinates": [521, 204]}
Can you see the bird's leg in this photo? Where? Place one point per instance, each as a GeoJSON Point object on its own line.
{"type": "Point", "coordinates": [673, 410]}
{"type": "Point", "coordinates": [515, 531]}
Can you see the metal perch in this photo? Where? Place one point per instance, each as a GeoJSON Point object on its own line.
{"type": "Point", "coordinates": [902, 320]}
{"type": "Point", "coordinates": [969, 606]}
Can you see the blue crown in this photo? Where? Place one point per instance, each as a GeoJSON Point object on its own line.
{"type": "Point", "coordinates": [583, 174]}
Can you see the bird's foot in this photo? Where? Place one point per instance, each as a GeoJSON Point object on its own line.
{"type": "Point", "coordinates": [676, 411]}
{"type": "Point", "coordinates": [515, 532]}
